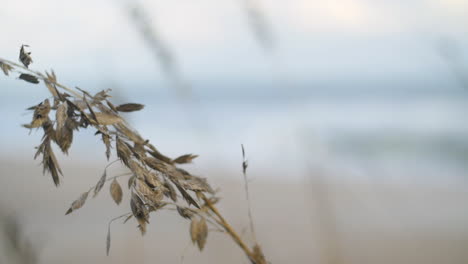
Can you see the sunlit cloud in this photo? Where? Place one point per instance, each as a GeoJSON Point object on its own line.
{"type": "Point", "coordinates": [323, 15]}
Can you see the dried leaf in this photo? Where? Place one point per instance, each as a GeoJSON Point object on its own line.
{"type": "Point", "coordinates": [152, 180]}
{"type": "Point", "coordinates": [41, 115]}
{"type": "Point", "coordinates": [185, 159]}
{"type": "Point", "coordinates": [25, 57]}
{"type": "Point", "coordinates": [258, 257]}
{"type": "Point", "coordinates": [84, 92]}
{"type": "Point", "coordinates": [140, 212]}
{"type": "Point", "coordinates": [106, 139]}
{"type": "Point", "coordinates": [170, 191]}
{"type": "Point", "coordinates": [129, 107]}
{"type": "Point", "coordinates": [184, 193]}
{"type": "Point", "coordinates": [195, 183]}
{"type": "Point", "coordinates": [137, 169]}
{"type": "Point", "coordinates": [101, 96]}
{"type": "Point", "coordinates": [143, 188]}
{"type": "Point", "coordinates": [49, 161]}
{"type": "Point", "coordinates": [116, 191]}
{"type": "Point", "coordinates": [199, 232]}
{"type": "Point", "coordinates": [72, 107]}
{"type": "Point", "coordinates": [182, 174]}
{"type": "Point", "coordinates": [51, 165]}
{"type": "Point", "coordinates": [91, 111]}
{"type": "Point", "coordinates": [203, 234]}
{"type": "Point", "coordinates": [111, 106]}
{"type": "Point", "coordinates": [78, 203]}
{"type": "Point", "coordinates": [35, 123]}
{"type": "Point", "coordinates": [155, 153]}
{"type": "Point", "coordinates": [56, 103]}
{"type": "Point", "coordinates": [134, 152]}
{"type": "Point", "coordinates": [6, 68]}
{"type": "Point", "coordinates": [129, 133]}
{"type": "Point", "coordinates": [48, 129]}
{"type": "Point", "coordinates": [100, 183]}
{"type": "Point", "coordinates": [29, 78]}
{"type": "Point", "coordinates": [50, 82]}
{"type": "Point", "coordinates": [214, 200]}
{"type": "Point", "coordinates": [139, 150]}
{"type": "Point", "coordinates": [131, 181]}
{"type": "Point", "coordinates": [107, 142]}
{"type": "Point", "coordinates": [123, 152]}
{"type": "Point", "coordinates": [51, 77]}
{"type": "Point", "coordinates": [152, 197]}
{"type": "Point", "coordinates": [185, 212]}
{"type": "Point", "coordinates": [64, 127]}
{"type": "Point", "coordinates": [64, 135]}
{"type": "Point", "coordinates": [156, 164]}
{"type": "Point", "coordinates": [155, 207]}
{"type": "Point", "coordinates": [61, 115]}
{"type": "Point", "coordinates": [40, 150]}
{"type": "Point", "coordinates": [194, 230]}
{"type": "Point", "coordinates": [42, 109]}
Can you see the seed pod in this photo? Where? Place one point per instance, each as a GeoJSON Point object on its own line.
{"type": "Point", "coordinates": [116, 191]}
{"type": "Point", "coordinates": [100, 183]}
{"type": "Point", "coordinates": [78, 203]}
{"type": "Point", "coordinates": [29, 78]}
{"type": "Point", "coordinates": [129, 107]}
{"type": "Point", "coordinates": [25, 57]}
{"type": "Point", "coordinates": [140, 212]}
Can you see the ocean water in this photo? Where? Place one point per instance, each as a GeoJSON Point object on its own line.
{"type": "Point", "coordinates": [399, 134]}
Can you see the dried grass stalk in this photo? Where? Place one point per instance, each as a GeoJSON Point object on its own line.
{"type": "Point", "coordinates": [152, 174]}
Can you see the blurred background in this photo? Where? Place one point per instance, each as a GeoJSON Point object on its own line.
{"type": "Point", "coordinates": [352, 112]}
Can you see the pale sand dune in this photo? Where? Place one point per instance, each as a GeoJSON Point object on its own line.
{"type": "Point", "coordinates": [296, 223]}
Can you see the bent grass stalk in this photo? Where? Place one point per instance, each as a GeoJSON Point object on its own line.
{"type": "Point", "coordinates": [156, 182]}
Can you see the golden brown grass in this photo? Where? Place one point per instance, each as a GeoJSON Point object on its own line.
{"type": "Point", "coordinates": [155, 181]}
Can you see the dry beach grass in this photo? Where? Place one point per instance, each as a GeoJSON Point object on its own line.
{"type": "Point", "coordinates": [154, 180]}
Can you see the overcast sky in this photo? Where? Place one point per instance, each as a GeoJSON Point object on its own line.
{"type": "Point", "coordinates": [315, 40]}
